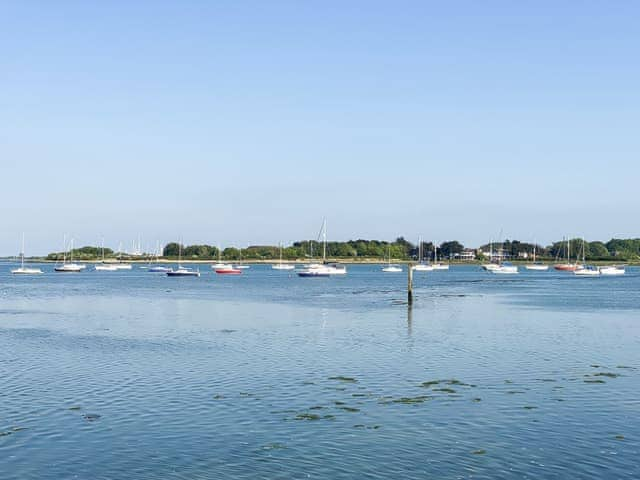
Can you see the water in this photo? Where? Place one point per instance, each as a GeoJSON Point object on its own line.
{"type": "Point", "coordinates": [135, 375]}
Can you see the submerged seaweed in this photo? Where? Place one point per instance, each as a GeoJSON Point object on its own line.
{"type": "Point", "coordinates": [341, 378]}
{"type": "Point", "coordinates": [412, 400]}
{"type": "Point", "coordinates": [307, 416]}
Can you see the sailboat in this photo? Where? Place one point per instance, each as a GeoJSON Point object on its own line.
{"type": "Point", "coordinates": [421, 266]}
{"type": "Point", "coordinates": [280, 265]}
{"type": "Point", "coordinates": [436, 265]}
{"type": "Point", "coordinates": [325, 269]}
{"type": "Point", "coordinates": [182, 271]}
{"type": "Point", "coordinates": [586, 270]}
{"type": "Point", "coordinates": [240, 265]}
{"type": "Point", "coordinates": [504, 267]}
{"type": "Point", "coordinates": [391, 268]}
{"type": "Point", "coordinates": [538, 266]}
{"type": "Point", "coordinates": [491, 265]}
{"type": "Point", "coordinates": [105, 267]}
{"type": "Point", "coordinates": [225, 268]}
{"type": "Point", "coordinates": [612, 270]}
{"type": "Point", "coordinates": [68, 267]}
{"type": "Point", "coordinates": [568, 266]}
{"type": "Point", "coordinates": [120, 265]}
{"type": "Point", "coordinates": [25, 270]}
{"type": "Point", "coordinates": [220, 264]}
{"type": "Point", "coordinates": [157, 268]}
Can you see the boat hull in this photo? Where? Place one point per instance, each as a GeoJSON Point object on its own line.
{"type": "Point", "coordinates": [228, 271]}
{"type": "Point", "coordinates": [69, 269]}
{"type": "Point", "coordinates": [283, 267]}
{"type": "Point", "coordinates": [158, 269]}
{"type": "Point", "coordinates": [183, 273]}
{"type": "Point", "coordinates": [106, 268]}
{"type": "Point", "coordinates": [612, 271]}
{"type": "Point", "coordinates": [586, 272]}
{"type": "Point", "coordinates": [313, 274]}
{"type": "Point", "coordinates": [537, 268]}
{"type": "Point", "coordinates": [422, 268]}
{"type": "Point", "coordinates": [26, 271]}
{"type": "Point", "coordinates": [566, 267]}
{"type": "Point", "coordinates": [505, 271]}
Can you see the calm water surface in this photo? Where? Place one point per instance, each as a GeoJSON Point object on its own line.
{"type": "Point", "coordinates": [107, 375]}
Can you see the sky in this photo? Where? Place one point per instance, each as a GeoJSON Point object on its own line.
{"type": "Point", "coordinates": [248, 122]}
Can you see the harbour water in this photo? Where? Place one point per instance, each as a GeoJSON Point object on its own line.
{"type": "Point", "coordinates": [129, 374]}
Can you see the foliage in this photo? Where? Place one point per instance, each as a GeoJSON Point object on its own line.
{"type": "Point", "coordinates": [399, 249]}
{"type": "Point", "coordinates": [83, 253]}
{"type": "Point", "coordinates": [447, 249]}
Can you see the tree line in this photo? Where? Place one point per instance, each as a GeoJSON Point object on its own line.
{"type": "Point", "coordinates": [399, 249]}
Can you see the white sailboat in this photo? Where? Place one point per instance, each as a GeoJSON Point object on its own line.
{"type": "Point", "coordinates": [105, 267]}
{"type": "Point", "coordinates": [612, 270]}
{"type": "Point", "coordinates": [436, 265]}
{"type": "Point", "coordinates": [221, 265]}
{"type": "Point", "coordinates": [280, 265]}
{"type": "Point", "coordinates": [536, 266]}
{"type": "Point", "coordinates": [157, 268]}
{"type": "Point", "coordinates": [586, 270]}
{"type": "Point", "coordinates": [69, 267]}
{"type": "Point", "coordinates": [120, 265]}
{"type": "Point", "coordinates": [491, 265]}
{"type": "Point", "coordinates": [504, 268]}
{"type": "Point", "coordinates": [325, 269]}
{"type": "Point", "coordinates": [25, 270]}
{"type": "Point", "coordinates": [391, 268]}
{"type": "Point", "coordinates": [421, 266]}
{"type": "Point", "coordinates": [240, 265]}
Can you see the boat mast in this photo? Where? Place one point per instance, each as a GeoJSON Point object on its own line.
{"type": "Point", "coordinates": [324, 238]}
{"type": "Point", "coordinates": [22, 252]}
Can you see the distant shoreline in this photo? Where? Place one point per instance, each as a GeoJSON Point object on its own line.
{"type": "Point", "coordinates": [349, 261]}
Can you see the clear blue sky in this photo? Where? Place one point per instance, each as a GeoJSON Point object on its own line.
{"type": "Point", "coordinates": [247, 122]}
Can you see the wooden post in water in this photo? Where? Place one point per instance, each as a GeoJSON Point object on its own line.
{"type": "Point", "coordinates": [410, 284]}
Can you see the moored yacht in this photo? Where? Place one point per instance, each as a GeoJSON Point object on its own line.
{"type": "Point", "coordinates": [322, 270]}
{"type": "Point", "coordinates": [536, 266]}
{"type": "Point", "coordinates": [587, 271]}
{"type": "Point", "coordinates": [505, 268]}
{"type": "Point", "coordinates": [436, 265]}
{"type": "Point", "coordinates": [325, 269]}
{"type": "Point", "coordinates": [182, 271]}
{"type": "Point", "coordinates": [106, 267]}
{"type": "Point", "coordinates": [421, 266]}
{"type": "Point", "coordinates": [568, 266]}
{"type": "Point", "coordinates": [69, 267]}
{"type": "Point", "coordinates": [612, 270]}
{"type": "Point", "coordinates": [22, 270]}
{"type": "Point", "coordinates": [391, 267]}
{"type": "Point", "coordinates": [280, 265]}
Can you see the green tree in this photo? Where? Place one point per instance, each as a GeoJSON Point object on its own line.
{"type": "Point", "coordinates": [171, 249]}
{"type": "Point", "coordinates": [448, 249]}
